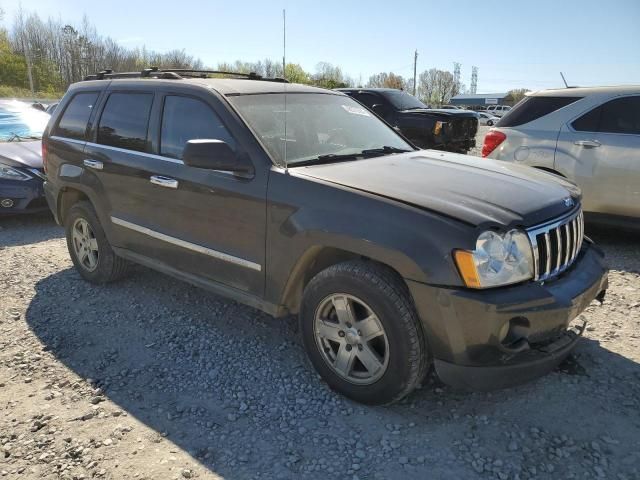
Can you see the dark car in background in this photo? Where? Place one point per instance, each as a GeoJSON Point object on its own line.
{"type": "Point", "coordinates": [21, 169]}
{"type": "Point", "coordinates": [453, 130]}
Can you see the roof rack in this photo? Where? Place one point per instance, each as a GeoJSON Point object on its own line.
{"type": "Point", "coordinates": [178, 74]}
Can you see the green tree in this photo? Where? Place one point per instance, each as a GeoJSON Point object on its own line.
{"type": "Point", "coordinates": [296, 74]}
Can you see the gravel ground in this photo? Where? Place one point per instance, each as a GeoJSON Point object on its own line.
{"type": "Point", "coordinates": [151, 378]}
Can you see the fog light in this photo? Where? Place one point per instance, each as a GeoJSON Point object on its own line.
{"type": "Point", "coordinates": [6, 203]}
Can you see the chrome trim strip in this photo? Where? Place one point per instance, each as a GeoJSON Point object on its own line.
{"type": "Point", "coordinates": [188, 245]}
{"type": "Point", "coordinates": [559, 251]}
{"type": "Point", "coordinates": [132, 152]}
{"type": "Point", "coordinates": [547, 242]}
{"type": "Point", "coordinates": [567, 234]}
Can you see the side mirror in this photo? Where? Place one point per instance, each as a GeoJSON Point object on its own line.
{"type": "Point", "coordinates": [215, 155]}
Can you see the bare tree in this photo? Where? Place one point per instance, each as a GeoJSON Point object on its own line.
{"type": "Point", "coordinates": [515, 95]}
{"type": "Point", "coordinates": [437, 86]}
{"type": "Point", "coordinates": [386, 80]}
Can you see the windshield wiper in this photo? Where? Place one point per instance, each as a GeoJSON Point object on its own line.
{"type": "Point", "coordinates": [335, 157]}
{"type": "Point", "coordinates": [21, 138]}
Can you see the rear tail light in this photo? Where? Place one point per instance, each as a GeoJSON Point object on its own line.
{"type": "Point", "coordinates": [491, 141]}
{"type": "Point", "coordinates": [44, 156]}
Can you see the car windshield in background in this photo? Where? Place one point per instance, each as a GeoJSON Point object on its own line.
{"type": "Point", "coordinates": [20, 121]}
{"type": "Point", "coordinates": [318, 127]}
{"type": "Point", "coordinates": [402, 100]}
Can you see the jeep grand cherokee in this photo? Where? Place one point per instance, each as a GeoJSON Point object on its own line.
{"type": "Point", "coordinates": [297, 200]}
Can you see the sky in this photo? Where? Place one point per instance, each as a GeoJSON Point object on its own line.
{"type": "Point", "coordinates": [514, 43]}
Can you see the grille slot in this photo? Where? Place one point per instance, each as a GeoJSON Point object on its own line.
{"type": "Point", "coordinates": [556, 245]}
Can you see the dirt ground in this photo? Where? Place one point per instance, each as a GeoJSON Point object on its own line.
{"type": "Point", "coordinates": [151, 378]}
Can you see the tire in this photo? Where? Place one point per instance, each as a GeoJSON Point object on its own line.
{"type": "Point", "coordinates": [400, 351]}
{"type": "Point", "coordinates": [103, 267]}
{"type": "Point", "coordinates": [489, 123]}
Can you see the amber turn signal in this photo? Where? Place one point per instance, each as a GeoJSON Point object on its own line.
{"type": "Point", "coordinates": [467, 268]}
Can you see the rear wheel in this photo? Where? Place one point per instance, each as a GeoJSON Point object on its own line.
{"type": "Point", "coordinates": [489, 123]}
{"type": "Point", "coordinates": [89, 248]}
{"type": "Point", "coordinates": [362, 334]}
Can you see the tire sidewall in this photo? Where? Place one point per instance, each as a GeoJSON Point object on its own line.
{"type": "Point", "coordinates": [398, 372]}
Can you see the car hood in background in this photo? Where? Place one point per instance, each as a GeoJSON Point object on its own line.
{"type": "Point", "coordinates": [477, 191]}
{"type": "Point", "coordinates": [21, 154]}
{"type": "Point", "coordinates": [441, 112]}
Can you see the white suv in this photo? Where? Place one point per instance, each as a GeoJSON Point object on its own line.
{"type": "Point", "coordinates": [588, 135]}
{"type": "Point", "coordinates": [498, 110]}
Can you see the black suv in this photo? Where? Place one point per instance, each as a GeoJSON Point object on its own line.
{"type": "Point", "coordinates": [453, 130]}
{"type": "Point", "coordinates": [297, 200]}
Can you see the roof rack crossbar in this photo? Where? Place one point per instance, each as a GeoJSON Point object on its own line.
{"type": "Point", "coordinates": [177, 74]}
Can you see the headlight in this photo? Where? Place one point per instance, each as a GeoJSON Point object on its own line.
{"type": "Point", "coordinates": [437, 128]}
{"type": "Point", "coordinates": [497, 260]}
{"type": "Point", "coordinates": [9, 173]}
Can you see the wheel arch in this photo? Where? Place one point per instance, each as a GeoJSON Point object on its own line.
{"type": "Point", "coordinates": [313, 261]}
{"type": "Point", "coordinates": [550, 170]}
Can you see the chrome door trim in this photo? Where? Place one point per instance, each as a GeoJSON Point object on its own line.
{"type": "Point", "coordinates": [165, 182]}
{"type": "Point", "coordinates": [187, 245]}
{"type": "Point", "coordinates": [133, 152]}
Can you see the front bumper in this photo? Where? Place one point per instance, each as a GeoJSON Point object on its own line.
{"type": "Point", "coordinates": [25, 197]}
{"type": "Point", "coordinates": [466, 328]}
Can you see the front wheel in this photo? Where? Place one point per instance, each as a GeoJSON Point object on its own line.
{"type": "Point", "coordinates": [362, 334]}
{"type": "Point", "coordinates": [489, 123]}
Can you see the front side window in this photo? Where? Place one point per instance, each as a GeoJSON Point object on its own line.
{"type": "Point", "coordinates": [315, 125]}
{"type": "Point", "coordinates": [621, 115]}
{"type": "Point", "coordinates": [185, 119]}
{"type": "Point", "coordinates": [533, 108]}
{"type": "Point", "coordinates": [125, 120]}
{"type": "Point", "coordinates": [73, 122]}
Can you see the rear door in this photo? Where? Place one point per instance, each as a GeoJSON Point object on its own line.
{"type": "Point", "coordinates": [599, 151]}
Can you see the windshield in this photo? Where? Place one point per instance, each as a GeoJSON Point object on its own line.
{"type": "Point", "coordinates": [20, 121]}
{"type": "Point", "coordinates": [402, 100]}
{"type": "Point", "coordinates": [316, 125]}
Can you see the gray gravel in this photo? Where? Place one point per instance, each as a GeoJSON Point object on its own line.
{"type": "Point", "coordinates": [152, 378]}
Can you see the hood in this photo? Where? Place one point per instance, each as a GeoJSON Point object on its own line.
{"type": "Point", "coordinates": [21, 154]}
{"type": "Point", "coordinates": [441, 112]}
{"type": "Point", "coordinates": [477, 191]}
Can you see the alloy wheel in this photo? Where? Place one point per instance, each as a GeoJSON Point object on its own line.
{"type": "Point", "coordinates": [85, 244]}
{"type": "Point", "coordinates": [351, 339]}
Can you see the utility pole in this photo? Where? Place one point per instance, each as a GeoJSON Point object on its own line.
{"type": "Point", "coordinates": [415, 71]}
{"type": "Point", "coordinates": [284, 44]}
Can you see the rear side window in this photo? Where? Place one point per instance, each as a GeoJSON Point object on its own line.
{"type": "Point", "coordinates": [125, 120]}
{"type": "Point", "coordinates": [185, 119]}
{"type": "Point", "coordinates": [621, 115]}
{"type": "Point", "coordinates": [533, 108]}
{"type": "Point", "coordinates": [73, 122]}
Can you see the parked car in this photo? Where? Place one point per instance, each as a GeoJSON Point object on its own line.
{"type": "Point", "coordinates": [395, 259]}
{"type": "Point", "coordinates": [21, 170]}
{"type": "Point", "coordinates": [589, 135]}
{"type": "Point", "coordinates": [498, 110]}
{"type": "Point", "coordinates": [487, 119]}
{"type": "Point", "coordinates": [453, 130]}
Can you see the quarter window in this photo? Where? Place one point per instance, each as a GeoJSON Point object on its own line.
{"type": "Point", "coordinates": [185, 119]}
{"type": "Point", "coordinates": [621, 115]}
{"type": "Point", "coordinates": [125, 120]}
{"type": "Point", "coordinates": [533, 108]}
{"type": "Point", "coordinates": [73, 122]}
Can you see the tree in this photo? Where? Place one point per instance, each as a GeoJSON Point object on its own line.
{"type": "Point", "coordinates": [330, 76]}
{"type": "Point", "coordinates": [386, 80]}
{"type": "Point", "coordinates": [437, 86]}
{"type": "Point", "coordinates": [296, 74]}
{"type": "Point", "coordinates": [515, 95]}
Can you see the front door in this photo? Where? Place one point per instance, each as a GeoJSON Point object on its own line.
{"type": "Point", "coordinates": [599, 151]}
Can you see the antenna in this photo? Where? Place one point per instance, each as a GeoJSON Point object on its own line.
{"type": "Point", "coordinates": [564, 80]}
{"type": "Point", "coordinates": [284, 75]}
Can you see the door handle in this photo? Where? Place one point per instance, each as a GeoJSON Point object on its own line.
{"type": "Point", "coordinates": [95, 164]}
{"type": "Point", "coordinates": [165, 182]}
{"type": "Point", "coordinates": [587, 143]}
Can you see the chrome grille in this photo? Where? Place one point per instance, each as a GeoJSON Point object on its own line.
{"type": "Point", "coordinates": [556, 245]}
